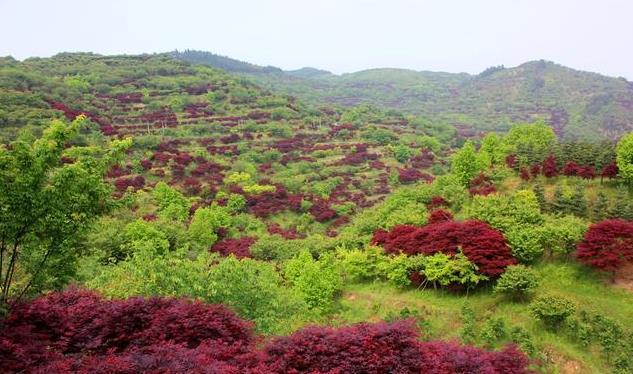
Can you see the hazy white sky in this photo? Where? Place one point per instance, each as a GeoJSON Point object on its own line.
{"type": "Point", "coordinates": [337, 35]}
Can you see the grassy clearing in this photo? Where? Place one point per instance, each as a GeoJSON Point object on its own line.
{"type": "Point", "coordinates": [441, 311]}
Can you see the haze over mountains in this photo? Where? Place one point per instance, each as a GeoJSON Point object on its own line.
{"type": "Point", "coordinates": [577, 104]}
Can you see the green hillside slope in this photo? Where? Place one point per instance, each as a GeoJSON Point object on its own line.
{"type": "Point", "coordinates": [577, 104]}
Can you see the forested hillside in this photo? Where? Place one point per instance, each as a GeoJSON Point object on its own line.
{"type": "Point", "coordinates": [578, 105]}
{"type": "Point", "coordinates": [163, 216]}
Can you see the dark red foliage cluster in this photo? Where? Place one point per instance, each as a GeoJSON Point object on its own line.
{"type": "Point", "coordinates": [338, 128]}
{"type": "Point", "coordinates": [146, 164]}
{"type": "Point", "coordinates": [267, 203]}
{"type": "Point", "coordinates": [77, 331]}
{"type": "Point", "coordinates": [123, 183]}
{"type": "Point", "coordinates": [525, 174]}
{"type": "Point", "coordinates": [177, 171]}
{"type": "Point", "coordinates": [481, 244]}
{"type": "Point", "coordinates": [117, 171]}
{"type": "Point", "coordinates": [610, 170]}
{"type": "Point", "coordinates": [321, 210]}
{"type": "Point", "coordinates": [437, 202]}
{"type": "Point", "coordinates": [231, 138]}
{"type": "Point", "coordinates": [359, 156]}
{"type": "Point", "coordinates": [423, 160]}
{"type": "Point", "coordinates": [183, 158]}
{"type": "Point", "coordinates": [573, 169]}
{"type": "Point", "coordinates": [607, 245]}
{"type": "Point", "coordinates": [228, 150]}
{"type": "Point", "coordinates": [258, 114]}
{"type": "Point", "coordinates": [377, 165]}
{"type": "Point", "coordinates": [199, 90]}
{"type": "Point", "coordinates": [535, 170]}
{"type": "Point", "coordinates": [161, 158]}
{"type": "Point", "coordinates": [362, 348]}
{"type": "Point", "coordinates": [171, 146]}
{"type": "Point", "coordinates": [440, 215]}
{"type": "Point", "coordinates": [383, 348]}
{"type": "Point", "coordinates": [448, 358]}
{"type": "Point", "coordinates": [549, 167]}
{"type": "Point", "coordinates": [71, 114]}
{"type": "Point", "coordinates": [192, 186]}
{"type": "Point", "coordinates": [289, 234]}
{"type": "Point", "coordinates": [413, 175]}
{"type": "Point", "coordinates": [80, 331]}
{"type": "Point", "coordinates": [481, 185]}
{"type": "Point", "coordinates": [163, 117]}
{"type": "Point", "coordinates": [240, 248]}
{"type": "Point", "coordinates": [289, 145]}
{"type": "Point", "coordinates": [207, 168]}
{"type": "Point", "coordinates": [129, 98]}
{"type": "Point", "coordinates": [198, 110]}
{"type": "Point", "coordinates": [511, 161]}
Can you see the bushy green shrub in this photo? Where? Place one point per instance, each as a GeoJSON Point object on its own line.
{"type": "Point", "coordinates": [552, 310]}
{"type": "Point", "coordinates": [317, 282]}
{"type": "Point", "coordinates": [253, 288]}
{"type": "Point", "coordinates": [517, 282]}
{"type": "Point", "coordinates": [444, 270]}
{"type": "Point", "coordinates": [522, 338]}
{"type": "Point", "coordinates": [494, 329]}
{"type": "Point", "coordinates": [399, 268]}
{"type": "Point", "coordinates": [205, 222]}
{"type": "Point", "coordinates": [172, 204]}
{"type": "Point", "coordinates": [358, 265]}
{"type": "Point", "coordinates": [467, 333]}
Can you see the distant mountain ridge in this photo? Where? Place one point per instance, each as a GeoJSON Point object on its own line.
{"type": "Point", "coordinates": [577, 104]}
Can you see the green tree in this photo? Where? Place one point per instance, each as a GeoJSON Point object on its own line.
{"type": "Point", "coordinates": [620, 208]}
{"type": "Point", "coordinates": [402, 153]}
{"type": "Point", "coordinates": [465, 163]}
{"type": "Point", "coordinates": [539, 193]}
{"type": "Point", "coordinates": [172, 204]}
{"type": "Point", "coordinates": [600, 209]}
{"type": "Point", "coordinates": [205, 223]}
{"type": "Point", "coordinates": [624, 158]}
{"type": "Point", "coordinates": [318, 282]}
{"type": "Point", "coordinates": [559, 201]}
{"type": "Point", "coordinates": [517, 282]}
{"type": "Point", "coordinates": [530, 142]}
{"type": "Point", "coordinates": [552, 310]}
{"type": "Point", "coordinates": [578, 202]}
{"type": "Point", "coordinates": [492, 149]}
{"type": "Point", "coordinates": [46, 207]}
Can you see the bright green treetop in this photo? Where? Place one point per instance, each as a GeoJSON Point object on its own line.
{"type": "Point", "coordinates": [624, 157]}
{"type": "Point", "coordinates": [46, 205]}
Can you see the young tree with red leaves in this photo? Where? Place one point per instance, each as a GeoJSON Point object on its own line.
{"type": "Point", "coordinates": [550, 168]}
{"type": "Point", "coordinates": [607, 245]}
{"type": "Point", "coordinates": [481, 244]}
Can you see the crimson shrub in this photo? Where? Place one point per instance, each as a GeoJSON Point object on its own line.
{"type": "Point", "coordinates": [607, 245]}
{"type": "Point", "coordinates": [481, 244]}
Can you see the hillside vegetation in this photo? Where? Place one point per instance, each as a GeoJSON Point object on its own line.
{"type": "Point", "coordinates": [163, 216]}
{"type": "Point", "coordinates": [578, 105]}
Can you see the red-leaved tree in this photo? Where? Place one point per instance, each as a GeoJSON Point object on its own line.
{"type": "Point", "coordinates": [607, 245]}
{"type": "Point", "coordinates": [481, 244]}
{"type": "Point", "coordinates": [240, 248]}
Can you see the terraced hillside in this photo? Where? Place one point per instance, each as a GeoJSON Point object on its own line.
{"type": "Point", "coordinates": [214, 136]}
{"type": "Point", "coordinates": [577, 104]}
